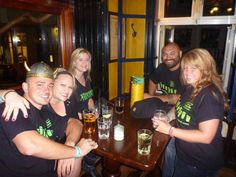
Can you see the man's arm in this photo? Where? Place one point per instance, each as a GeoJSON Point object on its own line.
{"type": "Point", "coordinates": [13, 102]}
{"type": "Point", "coordinates": [152, 87]}
{"type": "Point", "coordinates": [33, 144]}
{"type": "Point", "coordinates": [73, 131]}
{"type": "Point", "coordinates": [170, 98]}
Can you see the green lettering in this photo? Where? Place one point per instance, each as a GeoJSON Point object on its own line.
{"type": "Point", "coordinates": [183, 115]}
{"type": "Point", "coordinates": [188, 118]}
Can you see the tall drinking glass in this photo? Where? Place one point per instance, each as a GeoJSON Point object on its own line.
{"type": "Point", "coordinates": [144, 137]}
{"type": "Point", "coordinates": [161, 115]}
{"type": "Point", "coordinates": [119, 105]}
{"type": "Point", "coordinates": [103, 129]}
{"type": "Point", "coordinates": [89, 116]}
{"type": "Point", "coordinates": [107, 114]}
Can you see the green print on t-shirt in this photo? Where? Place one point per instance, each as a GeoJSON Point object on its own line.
{"type": "Point", "coordinates": [45, 131]}
{"type": "Point", "coordinates": [168, 89]}
{"type": "Point", "coordinates": [86, 95]}
{"type": "Point", "coordinates": [182, 112]}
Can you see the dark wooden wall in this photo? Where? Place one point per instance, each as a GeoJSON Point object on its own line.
{"type": "Point", "coordinates": [90, 26]}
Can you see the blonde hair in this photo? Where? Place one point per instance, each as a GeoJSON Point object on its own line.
{"type": "Point", "coordinates": [202, 59]}
{"type": "Point", "coordinates": [76, 54]}
{"type": "Point", "coordinates": [63, 71]}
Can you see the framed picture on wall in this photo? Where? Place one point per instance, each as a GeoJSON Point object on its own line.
{"type": "Point", "coordinates": [114, 27]}
{"type": "Point", "coordinates": [113, 37]}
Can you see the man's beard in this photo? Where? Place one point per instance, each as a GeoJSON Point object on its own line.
{"type": "Point", "coordinates": [172, 64]}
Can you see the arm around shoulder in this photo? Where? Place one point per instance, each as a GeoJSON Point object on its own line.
{"type": "Point", "coordinates": [13, 103]}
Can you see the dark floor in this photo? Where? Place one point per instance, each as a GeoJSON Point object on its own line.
{"type": "Point", "coordinates": [229, 169]}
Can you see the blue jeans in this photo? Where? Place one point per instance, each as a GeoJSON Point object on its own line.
{"type": "Point", "coordinates": [169, 159]}
{"type": "Point", "coordinates": [182, 169]}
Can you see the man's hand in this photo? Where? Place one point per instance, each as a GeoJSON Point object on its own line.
{"type": "Point", "coordinates": [65, 167]}
{"type": "Point", "coordinates": [14, 102]}
{"type": "Point", "coordinates": [86, 145]}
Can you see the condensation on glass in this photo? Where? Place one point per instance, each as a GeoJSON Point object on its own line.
{"type": "Point", "coordinates": [26, 36]}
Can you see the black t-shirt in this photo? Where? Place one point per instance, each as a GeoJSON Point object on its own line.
{"type": "Point", "coordinates": [207, 105]}
{"type": "Point", "coordinates": [80, 97]}
{"type": "Point", "coordinates": [72, 107]}
{"type": "Point", "coordinates": [168, 81]}
{"type": "Point", "coordinates": [12, 162]}
{"type": "Point", "coordinates": [58, 123]}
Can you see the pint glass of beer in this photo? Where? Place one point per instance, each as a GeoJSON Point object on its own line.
{"type": "Point", "coordinates": [89, 116]}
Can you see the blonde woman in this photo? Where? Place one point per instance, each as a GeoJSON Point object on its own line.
{"type": "Point", "coordinates": [67, 130]}
{"type": "Point", "coordinates": [199, 113]}
{"type": "Point", "coordinates": [80, 67]}
{"type": "Point", "coordinates": [30, 143]}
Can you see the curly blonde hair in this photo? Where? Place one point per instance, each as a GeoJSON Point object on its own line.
{"type": "Point", "coordinates": [76, 54]}
{"type": "Point", "coordinates": [202, 59]}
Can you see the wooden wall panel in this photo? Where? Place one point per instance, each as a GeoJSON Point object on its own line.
{"type": "Point", "coordinates": [63, 8]}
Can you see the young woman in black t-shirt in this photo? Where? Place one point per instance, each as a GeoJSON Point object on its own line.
{"type": "Point", "coordinates": [80, 67]}
{"type": "Point", "coordinates": [67, 129]}
{"type": "Point", "coordinates": [199, 113]}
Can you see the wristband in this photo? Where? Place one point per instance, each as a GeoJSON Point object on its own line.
{"type": "Point", "coordinates": [1, 99]}
{"type": "Point", "coordinates": [5, 94]}
{"type": "Point", "coordinates": [78, 151]}
{"type": "Point", "coordinates": [171, 131]}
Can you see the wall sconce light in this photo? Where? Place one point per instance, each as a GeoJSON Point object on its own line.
{"type": "Point", "coordinates": [134, 33]}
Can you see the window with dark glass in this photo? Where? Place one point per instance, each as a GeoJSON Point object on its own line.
{"type": "Point", "coordinates": [178, 8]}
{"type": "Point", "coordinates": [213, 39]}
{"type": "Point", "coordinates": [218, 7]}
{"type": "Point", "coordinates": [209, 37]}
{"type": "Point", "coordinates": [26, 36]}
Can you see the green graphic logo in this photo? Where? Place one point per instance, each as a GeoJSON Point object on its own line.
{"type": "Point", "coordinates": [182, 112]}
{"type": "Point", "coordinates": [45, 131]}
{"type": "Point", "coordinates": [168, 89]}
{"type": "Point", "coordinates": [86, 95]}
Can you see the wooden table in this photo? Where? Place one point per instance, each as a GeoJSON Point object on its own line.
{"type": "Point", "coordinates": [117, 153]}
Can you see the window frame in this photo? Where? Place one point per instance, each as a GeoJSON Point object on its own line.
{"type": "Point", "coordinates": [195, 18]}
{"type": "Point", "coordinates": [64, 9]}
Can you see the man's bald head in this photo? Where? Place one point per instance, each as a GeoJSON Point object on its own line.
{"type": "Point", "coordinates": [171, 55]}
